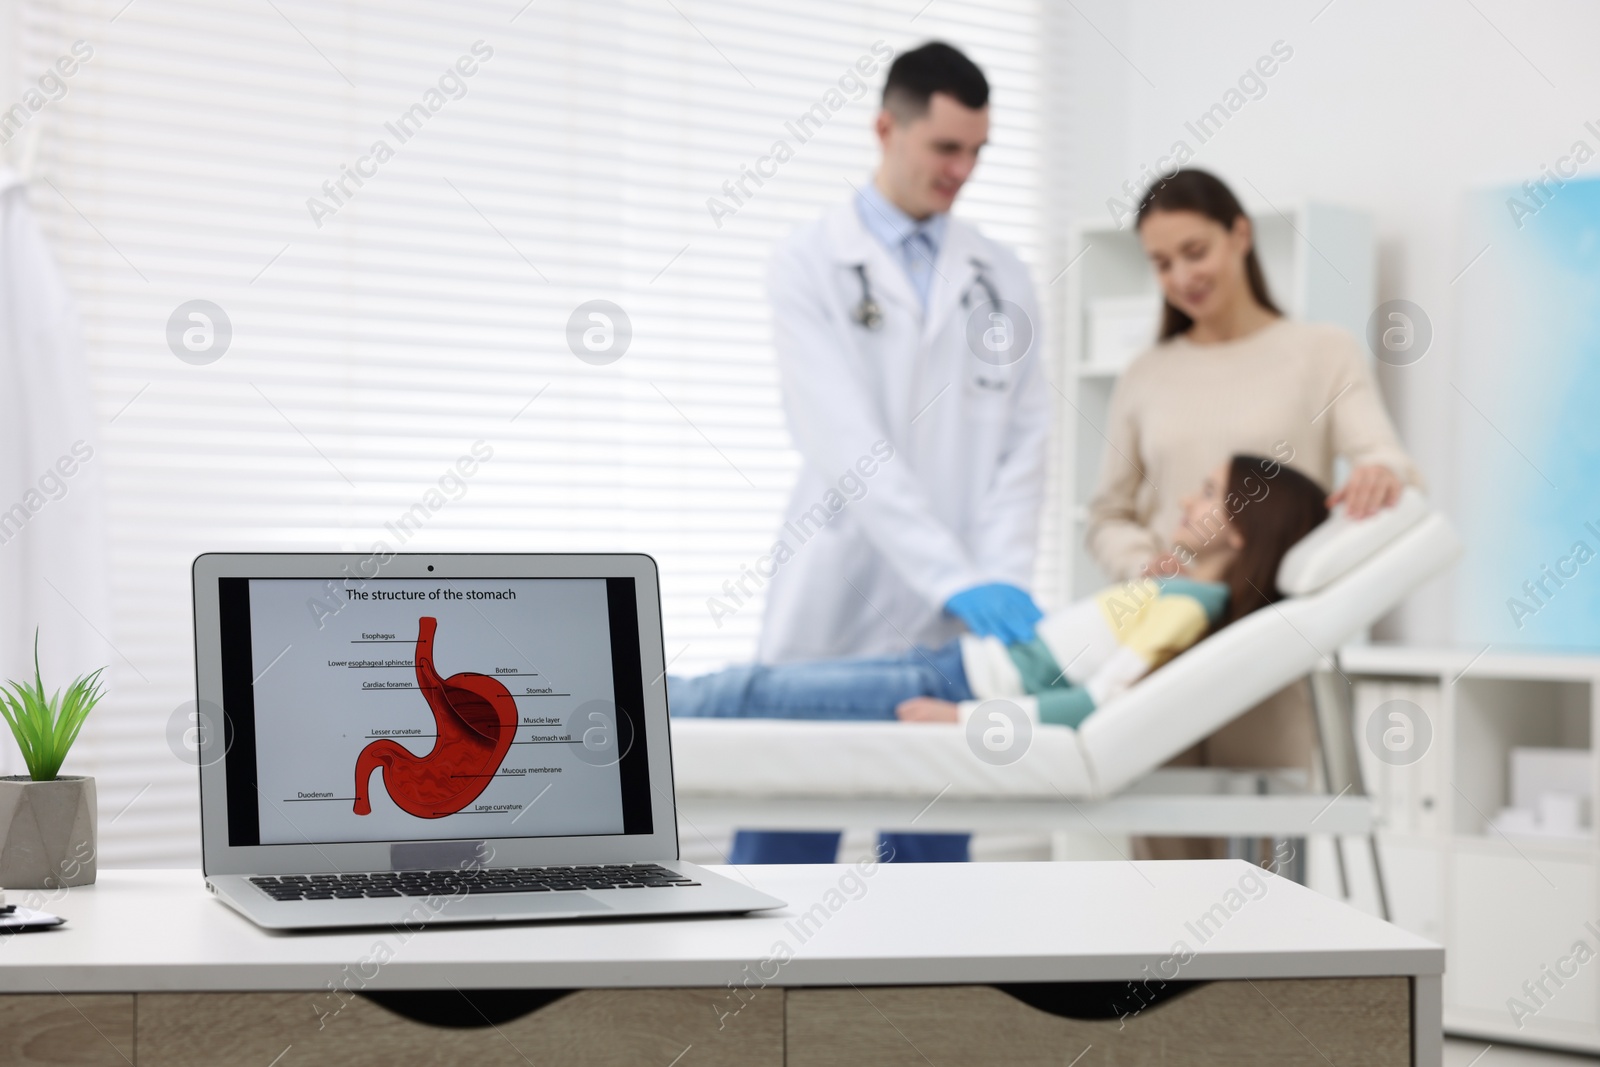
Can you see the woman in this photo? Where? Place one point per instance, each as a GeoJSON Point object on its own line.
{"type": "Point", "coordinates": [1230, 539]}
{"type": "Point", "coordinates": [1231, 374]}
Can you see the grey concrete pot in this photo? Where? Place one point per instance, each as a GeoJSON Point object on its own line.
{"type": "Point", "coordinates": [47, 832]}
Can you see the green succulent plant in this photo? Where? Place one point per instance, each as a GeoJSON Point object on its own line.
{"type": "Point", "coordinates": [46, 726]}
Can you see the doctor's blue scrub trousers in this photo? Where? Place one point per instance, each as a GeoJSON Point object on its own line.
{"type": "Point", "coordinates": [851, 689]}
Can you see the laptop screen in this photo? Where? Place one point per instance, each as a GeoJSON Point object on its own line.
{"type": "Point", "coordinates": [410, 709]}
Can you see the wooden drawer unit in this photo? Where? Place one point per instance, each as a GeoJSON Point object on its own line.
{"type": "Point", "coordinates": [1349, 1021]}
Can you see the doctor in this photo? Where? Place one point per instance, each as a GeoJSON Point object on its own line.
{"type": "Point", "coordinates": [909, 356]}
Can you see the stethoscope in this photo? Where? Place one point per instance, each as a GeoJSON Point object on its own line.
{"type": "Point", "coordinates": [869, 315]}
{"type": "Point", "coordinates": [981, 279]}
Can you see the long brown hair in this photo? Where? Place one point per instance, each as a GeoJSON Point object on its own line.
{"type": "Point", "coordinates": [1277, 506]}
{"type": "Point", "coordinates": [1205, 194]}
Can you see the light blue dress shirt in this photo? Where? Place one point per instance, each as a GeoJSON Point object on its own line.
{"type": "Point", "coordinates": [915, 244]}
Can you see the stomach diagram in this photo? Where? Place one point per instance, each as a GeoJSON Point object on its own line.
{"type": "Point", "coordinates": [474, 716]}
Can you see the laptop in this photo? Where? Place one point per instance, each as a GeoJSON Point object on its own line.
{"type": "Point", "coordinates": [409, 739]}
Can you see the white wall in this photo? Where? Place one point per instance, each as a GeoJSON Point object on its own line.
{"type": "Point", "coordinates": [1395, 109]}
{"type": "Point", "coordinates": [1392, 108]}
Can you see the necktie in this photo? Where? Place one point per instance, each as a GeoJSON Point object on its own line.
{"type": "Point", "coordinates": [917, 251]}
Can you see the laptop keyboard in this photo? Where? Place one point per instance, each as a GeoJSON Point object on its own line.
{"type": "Point", "coordinates": [470, 881]}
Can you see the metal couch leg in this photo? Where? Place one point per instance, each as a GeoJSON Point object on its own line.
{"type": "Point", "coordinates": [1341, 766]}
{"type": "Point", "coordinates": [1293, 865]}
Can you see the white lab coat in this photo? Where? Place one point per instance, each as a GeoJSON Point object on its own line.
{"type": "Point", "coordinates": [53, 559]}
{"type": "Point", "coordinates": [958, 504]}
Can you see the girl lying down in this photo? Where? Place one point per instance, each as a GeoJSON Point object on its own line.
{"type": "Point", "coordinates": [1223, 565]}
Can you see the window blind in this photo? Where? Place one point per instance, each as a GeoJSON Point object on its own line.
{"type": "Point", "coordinates": [391, 213]}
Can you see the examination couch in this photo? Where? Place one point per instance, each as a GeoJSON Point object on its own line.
{"type": "Point", "coordinates": [781, 774]}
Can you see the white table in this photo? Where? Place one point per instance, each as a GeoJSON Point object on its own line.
{"type": "Point", "coordinates": [148, 933]}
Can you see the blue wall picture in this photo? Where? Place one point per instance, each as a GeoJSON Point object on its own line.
{"type": "Point", "coordinates": [1527, 415]}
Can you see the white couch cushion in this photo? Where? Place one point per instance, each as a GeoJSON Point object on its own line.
{"type": "Point", "coordinates": [786, 758]}
{"type": "Point", "coordinates": [1334, 549]}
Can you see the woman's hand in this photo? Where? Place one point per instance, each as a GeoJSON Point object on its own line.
{"type": "Point", "coordinates": [1368, 490]}
{"type": "Point", "coordinates": [926, 709]}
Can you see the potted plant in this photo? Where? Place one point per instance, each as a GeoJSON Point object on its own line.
{"type": "Point", "coordinates": [47, 821]}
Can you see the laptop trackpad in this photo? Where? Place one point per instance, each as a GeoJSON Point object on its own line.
{"type": "Point", "coordinates": [523, 904]}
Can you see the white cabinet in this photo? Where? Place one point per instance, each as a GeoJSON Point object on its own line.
{"type": "Point", "coordinates": [1518, 913]}
{"type": "Point", "coordinates": [1414, 878]}
{"type": "Point", "coordinates": [1510, 949]}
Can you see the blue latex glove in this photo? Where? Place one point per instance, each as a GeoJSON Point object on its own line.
{"type": "Point", "coordinates": [997, 609]}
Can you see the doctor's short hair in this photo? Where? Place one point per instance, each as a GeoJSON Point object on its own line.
{"type": "Point", "coordinates": [933, 68]}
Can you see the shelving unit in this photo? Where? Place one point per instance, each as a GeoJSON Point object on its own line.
{"type": "Point", "coordinates": [1320, 266]}
{"type": "Point", "coordinates": [1506, 908]}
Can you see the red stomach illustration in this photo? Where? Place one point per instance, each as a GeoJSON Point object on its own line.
{"type": "Point", "coordinates": [475, 718]}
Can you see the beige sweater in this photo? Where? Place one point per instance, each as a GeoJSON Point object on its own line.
{"type": "Point", "coordinates": [1298, 392]}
